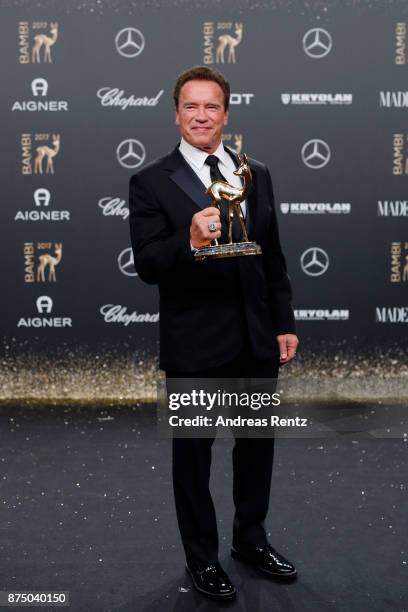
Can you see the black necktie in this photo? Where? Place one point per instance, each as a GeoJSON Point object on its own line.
{"type": "Point", "coordinates": [216, 175]}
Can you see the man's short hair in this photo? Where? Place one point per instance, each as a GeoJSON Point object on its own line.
{"type": "Point", "coordinates": [202, 73]}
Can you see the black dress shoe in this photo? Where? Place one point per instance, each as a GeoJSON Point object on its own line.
{"type": "Point", "coordinates": [267, 560]}
{"type": "Point", "coordinates": [211, 580]}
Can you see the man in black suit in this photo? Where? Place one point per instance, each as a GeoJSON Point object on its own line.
{"type": "Point", "coordinates": [220, 318]}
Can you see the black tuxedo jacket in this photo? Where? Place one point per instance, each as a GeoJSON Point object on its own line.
{"type": "Point", "coordinates": [208, 308]}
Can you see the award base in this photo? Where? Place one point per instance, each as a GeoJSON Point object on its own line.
{"type": "Point", "coordinates": [235, 249]}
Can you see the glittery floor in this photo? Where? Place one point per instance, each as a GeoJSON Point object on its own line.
{"type": "Point", "coordinates": [118, 375]}
{"type": "Point", "coordinates": [86, 506]}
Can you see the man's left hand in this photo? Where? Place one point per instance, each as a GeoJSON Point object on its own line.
{"type": "Point", "coordinates": [288, 344]}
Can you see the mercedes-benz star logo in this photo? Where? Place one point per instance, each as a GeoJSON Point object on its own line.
{"type": "Point", "coordinates": [315, 153]}
{"type": "Point", "coordinates": [317, 43]}
{"type": "Point", "coordinates": [126, 262]}
{"type": "Point", "coordinates": [314, 261]}
{"type": "Point", "coordinates": [129, 42]}
{"type": "Point", "coordinates": [131, 153]}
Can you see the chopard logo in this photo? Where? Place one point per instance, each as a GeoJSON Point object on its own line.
{"type": "Point", "coordinates": [116, 313]}
{"type": "Point", "coordinates": [113, 96]}
{"type": "Point", "coordinates": [113, 207]}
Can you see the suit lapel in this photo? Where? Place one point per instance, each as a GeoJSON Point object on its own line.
{"type": "Point", "coordinates": [184, 176]}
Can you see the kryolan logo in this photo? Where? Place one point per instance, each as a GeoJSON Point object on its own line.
{"type": "Point", "coordinates": [322, 314]}
{"type": "Point", "coordinates": [316, 208]}
{"type": "Point", "coordinates": [314, 261]}
{"type": "Point", "coordinates": [315, 154]}
{"type": "Point", "coordinates": [322, 99]}
{"type": "Point", "coordinates": [129, 42]}
{"type": "Point", "coordinates": [317, 43]}
{"type": "Point", "coordinates": [131, 153]}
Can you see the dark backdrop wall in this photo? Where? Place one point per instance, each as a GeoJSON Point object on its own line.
{"type": "Point", "coordinates": [319, 94]}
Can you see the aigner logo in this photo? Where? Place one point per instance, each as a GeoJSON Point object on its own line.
{"type": "Point", "coordinates": [41, 197]}
{"type": "Point", "coordinates": [314, 261]}
{"type": "Point", "coordinates": [223, 50]}
{"type": "Point", "coordinates": [317, 43]}
{"type": "Point", "coordinates": [315, 153]}
{"type": "Point", "coordinates": [126, 262]}
{"type": "Point", "coordinates": [129, 42]}
{"type": "Point", "coordinates": [44, 305]}
{"type": "Point", "coordinates": [39, 88]}
{"type": "Point", "coordinates": [130, 153]}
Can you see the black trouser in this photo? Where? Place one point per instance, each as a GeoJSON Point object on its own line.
{"type": "Point", "coordinates": [252, 472]}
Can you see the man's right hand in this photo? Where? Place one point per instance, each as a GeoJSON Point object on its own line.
{"type": "Point", "coordinates": [200, 235]}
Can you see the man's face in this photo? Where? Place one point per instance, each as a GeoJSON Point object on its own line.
{"type": "Point", "coordinates": [201, 115]}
